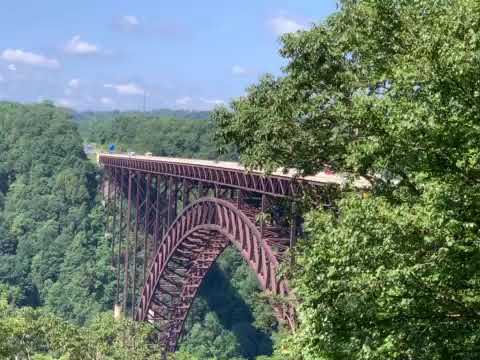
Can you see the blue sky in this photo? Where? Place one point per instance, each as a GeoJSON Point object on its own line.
{"type": "Point", "coordinates": [104, 54]}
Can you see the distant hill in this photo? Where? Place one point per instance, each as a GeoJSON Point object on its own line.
{"type": "Point", "coordinates": [163, 113]}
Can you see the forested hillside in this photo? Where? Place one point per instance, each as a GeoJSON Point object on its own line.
{"type": "Point", "coordinates": [52, 249]}
{"type": "Point", "coordinates": [89, 116]}
{"type": "Point", "coordinates": [53, 253]}
{"type": "Point", "coordinates": [163, 136]}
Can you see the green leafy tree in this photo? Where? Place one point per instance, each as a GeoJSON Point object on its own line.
{"type": "Point", "coordinates": [163, 136]}
{"type": "Point", "coordinates": [36, 334]}
{"type": "Point", "coordinates": [51, 231]}
{"type": "Point", "coordinates": [387, 90]}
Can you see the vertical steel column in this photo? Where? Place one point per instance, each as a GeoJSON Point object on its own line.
{"type": "Point", "coordinates": [107, 179]}
{"type": "Point", "coordinates": [157, 214]}
{"type": "Point", "coordinates": [293, 224]}
{"type": "Point", "coordinates": [120, 230]}
{"type": "Point", "coordinates": [135, 246]}
{"type": "Point", "coordinates": [109, 206]}
{"type": "Point", "coordinates": [114, 213]}
{"type": "Point", "coordinates": [127, 250]}
{"type": "Point", "coordinates": [262, 217]}
{"type": "Point", "coordinates": [239, 199]}
{"type": "Point", "coordinates": [175, 198]}
{"type": "Point", "coordinates": [186, 193]}
{"type": "Point", "coordinates": [146, 227]}
{"type": "Point", "coordinates": [169, 200]}
{"type": "Point", "coordinates": [165, 216]}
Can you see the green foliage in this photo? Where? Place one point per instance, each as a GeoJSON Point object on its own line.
{"type": "Point", "coordinates": [35, 334]}
{"type": "Point", "coordinates": [54, 256]}
{"type": "Point", "coordinates": [209, 340]}
{"type": "Point", "coordinates": [229, 319]}
{"type": "Point", "coordinates": [163, 136]}
{"type": "Point", "coordinates": [387, 90]}
{"type": "Point", "coordinates": [51, 231]}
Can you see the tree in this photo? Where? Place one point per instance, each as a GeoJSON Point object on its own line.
{"type": "Point", "coordinates": [163, 136]}
{"type": "Point", "coordinates": [211, 341]}
{"type": "Point", "coordinates": [387, 90]}
{"type": "Point", "coordinates": [51, 232]}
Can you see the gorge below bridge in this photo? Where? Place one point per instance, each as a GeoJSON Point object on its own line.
{"type": "Point", "coordinates": [169, 219]}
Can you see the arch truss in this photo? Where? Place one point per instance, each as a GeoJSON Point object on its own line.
{"type": "Point", "coordinates": [167, 229]}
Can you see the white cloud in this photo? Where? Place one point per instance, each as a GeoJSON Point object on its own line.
{"type": "Point", "coordinates": [183, 101]}
{"type": "Point", "coordinates": [25, 57]}
{"type": "Point", "coordinates": [106, 101]}
{"type": "Point", "coordinates": [213, 102]}
{"type": "Point", "coordinates": [74, 83]}
{"type": "Point", "coordinates": [64, 103]}
{"type": "Point", "coordinates": [283, 24]}
{"type": "Point", "coordinates": [12, 67]}
{"type": "Point", "coordinates": [239, 70]}
{"type": "Point", "coordinates": [131, 20]}
{"type": "Point", "coordinates": [126, 89]}
{"type": "Point", "coordinates": [128, 23]}
{"type": "Point", "coordinates": [76, 46]}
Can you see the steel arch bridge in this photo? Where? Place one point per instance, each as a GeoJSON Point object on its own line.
{"type": "Point", "coordinates": [169, 220]}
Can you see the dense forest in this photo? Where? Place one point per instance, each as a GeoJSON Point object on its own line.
{"type": "Point", "coordinates": [164, 136]}
{"type": "Point", "coordinates": [54, 256]}
{"type": "Point", "coordinates": [387, 90]}
{"type": "Point", "coordinates": [52, 248]}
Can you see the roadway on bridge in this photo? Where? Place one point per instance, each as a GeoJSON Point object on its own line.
{"type": "Point", "coordinates": [320, 178]}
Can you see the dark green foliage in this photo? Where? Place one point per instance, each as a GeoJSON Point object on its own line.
{"type": "Point", "coordinates": [51, 237]}
{"type": "Point", "coordinates": [27, 333]}
{"type": "Point", "coordinates": [387, 90]}
{"type": "Point", "coordinates": [230, 310]}
{"type": "Point", "coordinates": [163, 136]}
{"type": "Point", "coordinates": [88, 116]}
{"type": "Point", "coordinates": [53, 254]}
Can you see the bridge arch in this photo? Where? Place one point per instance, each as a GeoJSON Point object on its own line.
{"type": "Point", "coordinates": [190, 247]}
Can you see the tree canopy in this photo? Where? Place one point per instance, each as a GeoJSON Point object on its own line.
{"type": "Point", "coordinates": [160, 135]}
{"type": "Point", "coordinates": [387, 90]}
{"type": "Point", "coordinates": [52, 249]}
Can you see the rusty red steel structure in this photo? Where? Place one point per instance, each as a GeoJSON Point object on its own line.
{"type": "Point", "coordinates": [188, 212]}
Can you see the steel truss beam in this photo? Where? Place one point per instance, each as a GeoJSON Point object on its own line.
{"type": "Point", "coordinates": [187, 220]}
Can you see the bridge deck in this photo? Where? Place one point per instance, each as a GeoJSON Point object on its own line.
{"type": "Point", "coordinates": [224, 172]}
{"type": "Point", "coordinates": [320, 178]}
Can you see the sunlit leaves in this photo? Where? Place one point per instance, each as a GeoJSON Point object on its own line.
{"type": "Point", "coordinates": [386, 89]}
